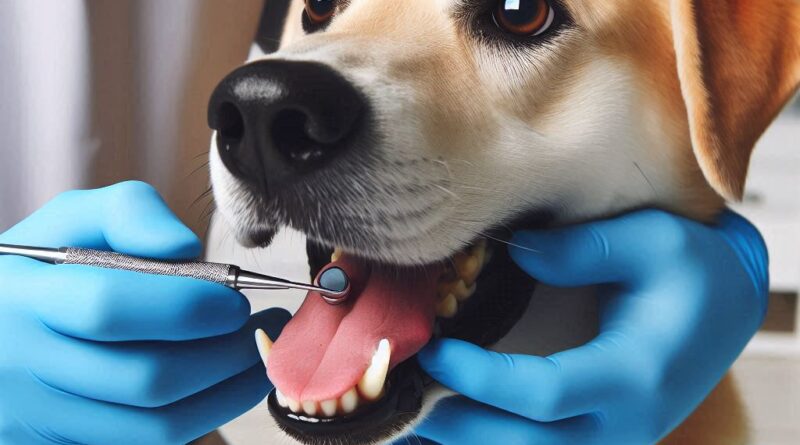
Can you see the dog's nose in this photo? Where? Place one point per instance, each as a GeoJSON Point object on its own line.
{"type": "Point", "coordinates": [277, 119]}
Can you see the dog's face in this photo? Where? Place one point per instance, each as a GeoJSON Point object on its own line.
{"type": "Point", "coordinates": [407, 132]}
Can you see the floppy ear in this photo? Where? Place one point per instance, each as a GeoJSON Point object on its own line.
{"type": "Point", "coordinates": [738, 63]}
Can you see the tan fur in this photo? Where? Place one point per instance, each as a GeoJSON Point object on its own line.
{"type": "Point", "coordinates": [739, 63]}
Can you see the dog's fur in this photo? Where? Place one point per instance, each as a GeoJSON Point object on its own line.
{"type": "Point", "coordinates": [634, 103]}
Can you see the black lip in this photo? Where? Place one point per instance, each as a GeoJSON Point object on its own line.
{"type": "Point", "coordinates": [399, 406]}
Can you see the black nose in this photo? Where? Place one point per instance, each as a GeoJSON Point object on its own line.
{"type": "Point", "coordinates": [277, 119]}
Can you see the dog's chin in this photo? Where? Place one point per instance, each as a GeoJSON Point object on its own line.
{"type": "Point", "coordinates": [496, 300]}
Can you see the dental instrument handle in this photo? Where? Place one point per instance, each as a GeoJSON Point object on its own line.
{"type": "Point", "coordinates": [225, 274]}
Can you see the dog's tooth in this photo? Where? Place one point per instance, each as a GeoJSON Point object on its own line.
{"type": "Point", "coordinates": [310, 407]}
{"type": "Point", "coordinates": [349, 401]}
{"type": "Point", "coordinates": [448, 307]}
{"type": "Point", "coordinates": [337, 253]}
{"type": "Point", "coordinates": [483, 252]}
{"type": "Point", "coordinates": [264, 345]}
{"type": "Point", "coordinates": [461, 290]}
{"type": "Point", "coordinates": [371, 384]}
{"type": "Point", "coordinates": [463, 293]}
{"type": "Point", "coordinates": [479, 251]}
{"type": "Point", "coordinates": [294, 405]}
{"type": "Point", "coordinates": [468, 267]}
{"type": "Point", "coordinates": [281, 399]}
{"type": "Point", "coordinates": [446, 288]}
{"type": "Point", "coordinates": [329, 407]}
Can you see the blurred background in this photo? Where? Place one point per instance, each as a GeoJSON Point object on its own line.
{"type": "Point", "coordinates": [93, 92]}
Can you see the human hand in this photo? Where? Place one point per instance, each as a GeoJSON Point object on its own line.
{"type": "Point", "coordinates": [679, 301]}
{"type": "Point", "coordinates": [98, 356]}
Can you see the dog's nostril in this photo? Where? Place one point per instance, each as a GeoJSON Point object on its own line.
{"type": "Point", "coordinates": [291, 136]}
{"type": "Point", "coordinates": [230, 124]}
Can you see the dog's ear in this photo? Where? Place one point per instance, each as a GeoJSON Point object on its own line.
{"type": "Point", "coordinates": [738, 63]}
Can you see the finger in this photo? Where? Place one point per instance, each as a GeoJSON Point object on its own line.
{"type": "Point", "coordinates": [564, 385]}
{"type": "Point", "coordinates": [463, 421]}
{"type": "Point", "coordinates": [115, 305]}
{"type": "Point", "coordinates": [612, 251]}
{"type": "Point", "coordinates": [750, 248]}
{"type": "Point", "coordinates": [75, 419]}
{"type": "Point", "coordinates": [147, 374]}
{"type": "Point", "coordinates": [129, 217]}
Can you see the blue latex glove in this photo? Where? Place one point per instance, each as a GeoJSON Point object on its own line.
{"type": "Point", "coordinates": [82, 353]}
{"type": "Point", "coordinates": [679, 302]}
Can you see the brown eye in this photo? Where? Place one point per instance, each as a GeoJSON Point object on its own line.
{"type": "Point", "coordinates": [524, 17]}
{"type": "Point", "coordinates": [320, 11]}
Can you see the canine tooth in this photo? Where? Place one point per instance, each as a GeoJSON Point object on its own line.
{"type": "Point", "coordinates": [310, 407]}
{"type": "Point", "coordinates": [371, 384]}
{"type": "Point", "coordinates": [264, 345]}
{"type": "Point", "coordinates": [448, 307]}
{"type": "Point", "coordinates": [349, 401]}
{"type": "Point", "coordinates": [294, 405]}
{"type": "Point", "coordinates": [281, 399]}
{"type": "Point", "coordinates": [329, 407]}
{"type": "Point", "coordinates": [337, 253]}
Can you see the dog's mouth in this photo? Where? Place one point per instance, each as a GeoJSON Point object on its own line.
{"type": "Point", "coordinates": [346, 373]}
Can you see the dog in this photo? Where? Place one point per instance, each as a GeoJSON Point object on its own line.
{"type": "Point", "coordinates": [406, 139]}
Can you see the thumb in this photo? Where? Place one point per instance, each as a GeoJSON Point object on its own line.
{"type": "Point", "coordinates": [129, 217]}
{"type": "Point", "coordinates": [610, 251]}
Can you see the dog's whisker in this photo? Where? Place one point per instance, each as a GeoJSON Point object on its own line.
{"type": "Point", "coordinates": [202, 196]}
{"type": "Point", "coordinates": [204, 165]}
{"type": "Point", "coordinates": [652, 187]}
{"type": "Point", "coordinates": [203, 154]}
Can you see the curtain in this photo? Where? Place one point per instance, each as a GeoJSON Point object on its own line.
{"type": "Point", "coordinates": [93, 92]}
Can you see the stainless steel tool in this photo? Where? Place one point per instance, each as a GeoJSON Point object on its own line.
{"type": "Point", "coordinates": [225, 274]}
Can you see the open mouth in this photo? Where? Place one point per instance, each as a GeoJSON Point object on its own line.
{"type": "Point", "coordinates": [346, 373]}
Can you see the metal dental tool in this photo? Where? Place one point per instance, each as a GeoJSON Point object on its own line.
{"type": "Point", "coordinates": [338, 285]}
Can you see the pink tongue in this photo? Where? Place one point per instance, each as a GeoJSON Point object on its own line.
{"type": "Point", "coordinates": [324, 350]}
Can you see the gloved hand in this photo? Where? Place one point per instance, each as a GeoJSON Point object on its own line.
{"type": "Point", "coordinates": [679, 301]}
{"type": "Point", "coordinates": [96, 356]}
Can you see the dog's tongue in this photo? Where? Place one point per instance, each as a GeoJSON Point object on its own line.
{"type": "Point", "coordinates": [325, 349]}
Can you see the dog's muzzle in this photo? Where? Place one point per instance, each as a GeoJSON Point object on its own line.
{"type": "Point", "coordinates": [276, 120]}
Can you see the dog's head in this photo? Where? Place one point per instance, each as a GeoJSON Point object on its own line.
{"type": "Point", "coordinates": [414, 134]}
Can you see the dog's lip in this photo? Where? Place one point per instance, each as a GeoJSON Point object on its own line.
{"type": "Point", "coordinates": [470, 325]}
{"type": "Point", "coordinates": [403, 395]}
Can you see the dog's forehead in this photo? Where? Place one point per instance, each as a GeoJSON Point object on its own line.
{"type": "Point", "coordinates": [599, 17]}
{"type": "Point", "coordinates": [390, 16]}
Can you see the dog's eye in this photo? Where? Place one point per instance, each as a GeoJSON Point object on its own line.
{"type": "Point", "coordinates": [524, 17]}
{"type": "Point", "coordinates": [320, 11]}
